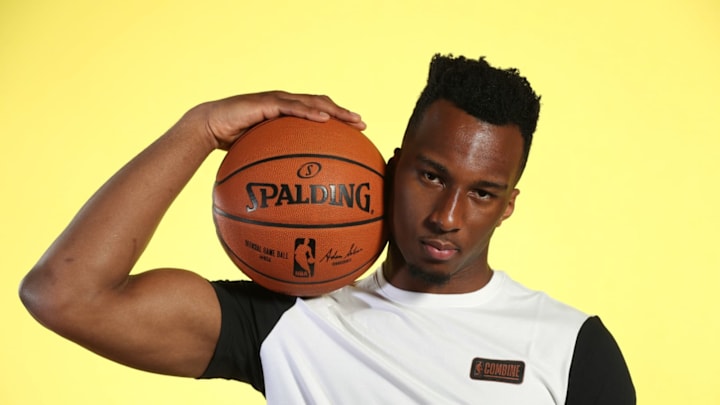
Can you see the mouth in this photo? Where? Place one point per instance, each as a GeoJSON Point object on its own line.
{"type": "Point", "coordinates": [439, 250]}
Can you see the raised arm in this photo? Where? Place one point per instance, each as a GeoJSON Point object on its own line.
{"type": "Point", "coordinates": [163, 320]}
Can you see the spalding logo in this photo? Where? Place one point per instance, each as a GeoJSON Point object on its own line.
{"type": "Point", "coordinates": [261, 195]}
{"type": "Point", "coordinates": [309, 169]}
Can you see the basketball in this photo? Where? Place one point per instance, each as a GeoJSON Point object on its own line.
{"type": "Point", "coordinates": [298, 205]}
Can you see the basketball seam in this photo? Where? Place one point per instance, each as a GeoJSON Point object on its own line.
{"type": "Point", "coordinates": [294, 226]}
{"type": "Point", "coordinates": [296, 155]}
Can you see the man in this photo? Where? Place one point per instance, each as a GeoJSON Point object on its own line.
{"type": "Point", "coordinates": [434, 325]}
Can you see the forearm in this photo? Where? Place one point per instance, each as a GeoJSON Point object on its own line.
{"type": "Point", "coordinates": [103, 242]}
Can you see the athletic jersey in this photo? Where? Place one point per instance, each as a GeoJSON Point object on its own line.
{"type": "Point", "coordinates": [372, 343]}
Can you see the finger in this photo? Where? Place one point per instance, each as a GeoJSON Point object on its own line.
{"type": "Point", "coordinates": [319, 108]}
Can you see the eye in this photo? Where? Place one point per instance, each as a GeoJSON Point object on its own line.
{"type": "Point", "coordinates": [482, 194]}
{"type": "Point", "coordinates": [430, 177]}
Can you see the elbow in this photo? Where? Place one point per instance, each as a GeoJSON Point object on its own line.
{"type": "Point", "coordinates": [40, 296]}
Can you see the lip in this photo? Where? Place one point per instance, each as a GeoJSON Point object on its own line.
{"type": "Point", "coordinates": [438, 249]}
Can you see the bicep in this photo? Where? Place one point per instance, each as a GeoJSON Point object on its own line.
{"type": "Point", "coordinates": [163, 321]}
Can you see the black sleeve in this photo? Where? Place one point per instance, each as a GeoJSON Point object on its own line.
{"type": "Point", "coordinates": [598, 373]}
{"type": "Point", "coordinates": [249, 313]}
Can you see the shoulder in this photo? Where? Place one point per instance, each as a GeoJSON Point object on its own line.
{"type": "Point", "coordinates": [244, 291]}
{"type": "Point", "coordinates": [245, 303]}
{"type": "Point", "coordinates": [546, 309]}
{"type": "Point", "coordinates": [598, 373]}
{"type": "Point", "coordinates": [249, 313]}
{"type": "Point", "coordinates": [595, 369]}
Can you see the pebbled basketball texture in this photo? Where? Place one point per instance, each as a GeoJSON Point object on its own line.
{"type": "Point", "coordinates": [298, 205]}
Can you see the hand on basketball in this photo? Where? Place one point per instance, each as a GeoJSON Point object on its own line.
{"type": "Point", "coordinates": [225, 120]}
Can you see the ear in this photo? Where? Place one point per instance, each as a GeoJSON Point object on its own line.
{"type": "Point", "coordinates": [510, 207]}
{"type": "Point", "coordinates": [395, 156]}
{"type": "Point", "coordinates": [388, 190]}
{"type": "Point", "coordinates": [390, 173]}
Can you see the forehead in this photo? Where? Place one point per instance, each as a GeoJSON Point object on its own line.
{"type": "Point", "coordinates": [454, 138]}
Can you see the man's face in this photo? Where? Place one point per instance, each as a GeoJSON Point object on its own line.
{"type": "Point", "coordinates": [453, 185]}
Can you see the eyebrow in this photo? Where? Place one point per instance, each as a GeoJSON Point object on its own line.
{"type": "Point", "coordinates": [440, 168]}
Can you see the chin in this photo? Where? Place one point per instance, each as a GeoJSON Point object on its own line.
{"type": "Point", "coordinates": [427, 276]}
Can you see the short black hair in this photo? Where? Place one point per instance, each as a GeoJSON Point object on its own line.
{"type": "Point", "coordinates": [496, 96]}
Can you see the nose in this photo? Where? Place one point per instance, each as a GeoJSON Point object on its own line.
{"type": "Point", "coordinates": [447, 213]}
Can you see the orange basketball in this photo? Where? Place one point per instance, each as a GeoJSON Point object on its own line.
{"type": "Point", "coordinates": [298, 205]}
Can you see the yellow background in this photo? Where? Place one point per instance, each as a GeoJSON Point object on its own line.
{"type": "Point", "coordinates": [618, 210]}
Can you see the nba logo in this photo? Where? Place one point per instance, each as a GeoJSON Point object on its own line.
{"type": "Point", "coordinates": [304, 257]}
